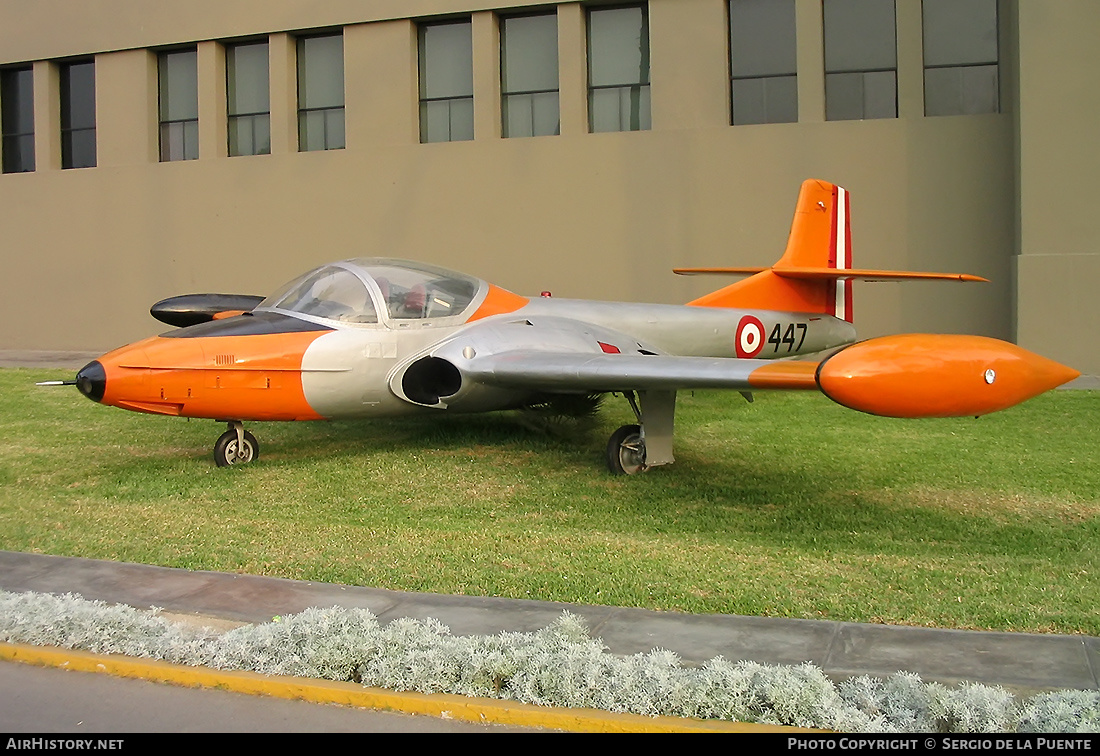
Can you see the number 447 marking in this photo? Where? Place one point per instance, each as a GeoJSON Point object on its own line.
{"type": "Point", "coordinates": [779, 337]}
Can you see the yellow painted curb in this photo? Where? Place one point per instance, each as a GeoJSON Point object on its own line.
{"type": "Point", "coordinates": [484, 710]}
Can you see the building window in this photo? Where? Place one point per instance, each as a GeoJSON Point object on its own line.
{"type": "Point", "coordinates": [321, 93]}
{"type": "Point", "coordinates": [248, 99]}
{"type": "Point", "coordinates": [763, 62]}
{"type": "Point", "coordinates": [960, 57]}
{"type": "Point", "coordinates": [17, 119]}
{"type": "Point", "coordinates": [78, 148]}
{"type": "Point", "coordinates": [860, 60]}
{"type": "Point", "coordinates": [529, 75]}
{"type": "Point", "coordinates": [618, 69]}
{"type": "Point", "coordinates": [446, 82]}
{"type": "Point", "coordinates": [179, 105]}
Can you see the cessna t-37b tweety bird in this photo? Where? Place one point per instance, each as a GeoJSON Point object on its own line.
{"type": "Point", "coordinates": [369, 338]}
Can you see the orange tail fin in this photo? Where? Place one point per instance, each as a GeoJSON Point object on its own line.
{"type": "Point", "coordinates": [815, 273]}
{"type": "Point", "coordinates": [820, 239]}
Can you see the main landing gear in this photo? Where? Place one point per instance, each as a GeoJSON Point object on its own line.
{"type": "Point", "coordinates": [637, 447]}
{"type": "Point", "coordinates": [236, 446]}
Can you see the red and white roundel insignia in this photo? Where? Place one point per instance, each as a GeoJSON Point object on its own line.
{"type": "Point", "coordinates": [750, 336]}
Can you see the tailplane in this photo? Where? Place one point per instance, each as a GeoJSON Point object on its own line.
{"type": "Point", "coordinates": [815, 273]}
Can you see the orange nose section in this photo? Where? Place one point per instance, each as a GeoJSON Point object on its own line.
{"type": "Point", "coordinates": [257, 377]}
{"type": "Point", "coordinates": [924, 375]}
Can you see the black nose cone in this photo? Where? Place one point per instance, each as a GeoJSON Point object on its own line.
{"type": "Point", "coordinates": [92, 380]}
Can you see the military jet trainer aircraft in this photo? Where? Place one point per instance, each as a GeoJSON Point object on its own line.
{"type": "Point", "coordinates": [379, 337]}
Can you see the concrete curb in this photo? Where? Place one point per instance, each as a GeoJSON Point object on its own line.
{"type": "Point", "coordinates": [483, 710]}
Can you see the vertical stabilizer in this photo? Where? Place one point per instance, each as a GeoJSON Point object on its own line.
{"type": "Point", "coordinates": [820, 240]}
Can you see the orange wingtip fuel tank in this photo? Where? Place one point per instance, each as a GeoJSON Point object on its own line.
{"type": "Point", "coordinates": [928, 375]}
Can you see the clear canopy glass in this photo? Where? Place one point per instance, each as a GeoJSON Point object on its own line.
{"type": "Point", "coordinates": [353, 291]}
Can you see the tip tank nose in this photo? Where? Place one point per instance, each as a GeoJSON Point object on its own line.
{"type": "Point", "coordinates": [933, 375]}
{"type": "Point", "coordinates": [91, 381]}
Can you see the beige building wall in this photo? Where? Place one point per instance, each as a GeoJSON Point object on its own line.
{"type": "Point", "coordinates": [1059, 262]}
{"type": "Point", "coordinates": [606, 216]}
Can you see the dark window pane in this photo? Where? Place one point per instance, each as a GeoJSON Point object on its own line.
{"type": "Point", "coordinates": [618, 69]}
{"type": "Point", "coordinates": [529, 75]}
{"type": "Point", "coordinates": [960, 57]}
{"type": "Point", "coordinates": [321, 72]}
{"type": "Point", "coordinates": [961, 90]}
{"type": "Point", "coordinates": [179, 86]}
{"type": "Point", "coordinates": [448, 120]}
{"type": "Point", "coordinates": [446, 61]}
{"type": "Point", "coordinates": [762, 38]}
{"type": "Point", "coordinates": [960, 32]}
{"type": "Point", "coordinates": [529, 53]}
{"type": "Point", "coordinates": [17, 100]}
{"type": "Point", "coordinates": [773, 99]}
{"type": "Point", "coordinates": [246, 79]}
{"type": "Point", "coordinates": [860, 35]}
{"type": "Point", "coordinates": [78, 149]}
{"type": "Point", "coordinates": [78, 96]}
{"type": "Point", "coordinates": [321, 129]}
{"type": "Point", "coordinates": [17, 120]}
{"type": "Point", "coordinates": [531, 114]}
{"type": "Point", "coordinates": [618, 47]}
{"type": "Point", "coordinates": [250, 135]}
{"type": "Point", "coordinates": [18, 154]}
{"type": "Point", "coordinates": [619, 108]}
{"type": "Point", "coordinates": [179, 105]}
{"type": "Point", "coordinates": [78, 145]}
{"type": "Point", "coordinates": [860, 59]}
{"type": "Point", "coordinates": [446, 82]}
{"type": "Point", "coordinates": [248, 97]}
{"type": "Point", "coordinates": [321, 93]}
{"type": "Point", "coordinates": [859, 95]}
{"type": "Point", "coordinates": [179, 140]}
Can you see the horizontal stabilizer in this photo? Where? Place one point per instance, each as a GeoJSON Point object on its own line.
{"type": "Point", "coordinates": [833, 274]}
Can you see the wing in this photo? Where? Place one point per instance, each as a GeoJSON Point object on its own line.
{"type": "Point", "coordinates": [570, 372]}
{"type": "Point", "coordinates": [910, 375]}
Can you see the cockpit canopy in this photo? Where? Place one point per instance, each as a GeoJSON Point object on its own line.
{"type": "Point", "coordinates": [356, 291]}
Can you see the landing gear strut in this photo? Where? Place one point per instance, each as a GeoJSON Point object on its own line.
{"type": "Point", "coordinates": [636, 448]}
{"type": "Point", "coordinates": [236, 446]}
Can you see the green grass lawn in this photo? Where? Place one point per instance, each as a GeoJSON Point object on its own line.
{"type": "Point", "coordinates": [790, 506]}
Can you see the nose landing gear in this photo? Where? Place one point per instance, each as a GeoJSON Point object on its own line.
{"type": "Point", "coordinates": [236, 446]}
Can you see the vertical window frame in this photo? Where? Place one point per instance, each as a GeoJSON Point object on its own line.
{"type": "Point", "coordinates": [16, 141]}
{"type": "Point", "coordinates": [257, 120]}
{"type": "Point", "coordinates": [184, 130]}
{"type": "Point", "coordinates": [639, 92]}
{"type": "Point", "coordinates": [72, 135]}
{"type": "Point", "coordinates": [464, 131]}
{"type": "Point", "coordinates": [508, 96]}
{"type": "Point", "coordinates": [329, 114]}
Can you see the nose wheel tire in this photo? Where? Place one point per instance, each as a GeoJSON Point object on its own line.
{"type": "Point", "coordinates": [626, 451]}
{"type": "Point", "coordinates": [229, 450]}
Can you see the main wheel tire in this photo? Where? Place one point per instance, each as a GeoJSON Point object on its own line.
{"type": "Point", "coordinates": [626, 451]}
{"type": "Point", "coordinates": [227, 451]}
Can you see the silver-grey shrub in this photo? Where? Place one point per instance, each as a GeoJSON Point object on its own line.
{"type": "Point", "coordinates": [559, 665]}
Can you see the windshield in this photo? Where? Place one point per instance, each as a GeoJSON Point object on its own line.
{"type": "Point", "coordinates": [330, 292]}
